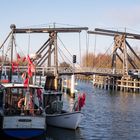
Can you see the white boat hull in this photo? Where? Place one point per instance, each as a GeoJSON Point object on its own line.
{"type": "Point", "coordinates": [16, 126]}
{"type": "Point", "coordinates": [69, 120]}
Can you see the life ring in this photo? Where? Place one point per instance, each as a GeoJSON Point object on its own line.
{"type": "Point", "coordinates": [21, 102]}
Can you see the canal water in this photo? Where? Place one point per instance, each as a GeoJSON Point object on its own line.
{"type": "Point", "coordinates": [107, 116]}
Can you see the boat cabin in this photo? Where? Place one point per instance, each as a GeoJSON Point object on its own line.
{"type": "Point", "coordinates": [52, 102]}
{"type": "Point", "coordinates": [16, 99]}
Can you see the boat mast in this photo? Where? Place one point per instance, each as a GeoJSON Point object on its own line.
{"type": "Point", "coordinates": [13, 27]}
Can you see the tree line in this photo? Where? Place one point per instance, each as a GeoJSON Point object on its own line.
{"type": "Point", "coordinates": [105, 60]}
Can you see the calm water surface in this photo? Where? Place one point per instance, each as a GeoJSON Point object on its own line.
{"type": "Point", "coordinates": [107, 116]}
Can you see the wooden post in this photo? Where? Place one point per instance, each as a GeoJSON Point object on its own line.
{"type": "Point", "coordinates": [134, 85]}
{"type": "Point", "coordinates": [56, 83]}
{"type": "Point", "coordinates": [72, 91]}
{"type": "Point", "coordinates": [94, 77]}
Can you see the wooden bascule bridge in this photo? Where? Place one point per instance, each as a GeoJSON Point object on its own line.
{"type": "Point", "coordinates": [107, 78]}
{"type": "Point", "coordinates": [129, 78]}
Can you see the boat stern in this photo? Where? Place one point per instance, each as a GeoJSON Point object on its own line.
{"type": "Point", "coordinates": [24, 126]}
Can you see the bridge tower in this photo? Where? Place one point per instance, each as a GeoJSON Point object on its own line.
{"type": "Point", "coordinates": [119, 43]}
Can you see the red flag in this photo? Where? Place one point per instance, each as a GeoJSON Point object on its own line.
{"type": "Point", "coordinates": [26, 82]}
{"type": "Point", "coordinates": [14, 66]}
{"type": "Point", "coordinates": [29, 71]}
{"type": "Point", "coordinates": [83, 98]}
{"type": "Point", "coordinates": [18, 56]}
{"type": "Point", "coordinates": [81, 101]}
{"type": "Point", "coordinates": [23, 59]}
{"type": "Point", "coordinates": [32, 68]}
{"type": "Point", "coordinates": [29, 60]}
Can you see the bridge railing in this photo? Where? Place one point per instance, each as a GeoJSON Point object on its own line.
{"type": "Point", "coordinates": [65, 69]}
{"type": "Point", "coordinates": [44, 70]}
{"type": "Point", "coordinates": [88, 70]}
{"type": "Point", "coordinates": [98, 70]}
{"type": "Point", "coordinates": [21, 69]}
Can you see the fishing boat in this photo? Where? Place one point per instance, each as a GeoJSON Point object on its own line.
{"type": "Point", "coordinates": [21, 110]}
{"type": "Point", "coordinates": [56, 116]}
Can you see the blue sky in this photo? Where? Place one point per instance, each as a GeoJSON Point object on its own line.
{"type": "Point", "coordinates": [107, 14]}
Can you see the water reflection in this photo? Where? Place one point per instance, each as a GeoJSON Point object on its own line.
{"type": "Point", "coordinates": [54, 133]}
{"type": "Point", "coordinates": [4, 137]}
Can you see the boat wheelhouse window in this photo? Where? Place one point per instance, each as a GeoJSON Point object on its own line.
{"type": "Point", "coordinates": [49, 98]}
{"type": "Point", "coordinates": [12, 96]}
{"type": "Point", "coordinates": [22, 99]}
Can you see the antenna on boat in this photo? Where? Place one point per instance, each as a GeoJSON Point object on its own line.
{"type": "Point", "coordinates": [80, 47]}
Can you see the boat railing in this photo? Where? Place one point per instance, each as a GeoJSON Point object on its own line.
{"type": "Point", "coordinates": [20, 112]}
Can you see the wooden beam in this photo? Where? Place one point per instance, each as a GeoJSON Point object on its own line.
{"type": "Point", "coordinates": [49, 30]}
{"type": "Point", "coordinates": [44, 58]}
{"type": "Point", "coordinates": [132, 50]}
{"type": "Point", "coordinates": [42, 47]}
{"type": "Point", "coordinates": [5, 39]}
{"type": "Point", "coordinates": [130, 60]}
{"type": "Point", "coordinates": [100, 33]}
{"type": "Point", "coordinates": [128, 35]}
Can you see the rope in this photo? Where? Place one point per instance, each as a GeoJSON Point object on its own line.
{"type": "Point", "coordinates": [14, 41]}
{"type": "Point", "coordinates": [18, 47]}
{"type": "Point", "coordinates": [67, 51]}
{"type": "Point", "coordinates": [63, 54]}
{"type": "Point", "coordinates": [87, 46]}
{"type": "Point", "coordinates": [29, 42]}
{"type": "Point", "coordinates": [64, 46]}
{"type": "Point", "coordinates": [80, 48]}
{"type": "Point", "coordinates": [94, 52]}
{"type": "Point", "coordinates": [50, 24]}
{"type": "Point", "coordinates": [95, 45]}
